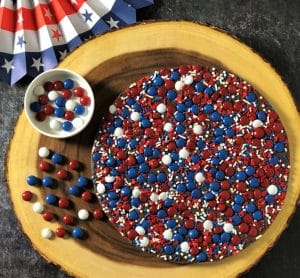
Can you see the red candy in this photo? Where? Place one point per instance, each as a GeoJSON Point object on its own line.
{"type": "Point", "coordinates": [40, 116]}
{"type": "Point", "coordinates": [26, 196]}
{"type": "Point", "coordinates": [85, 100]}
{"type": "Point", "coordinates": [68, 219]}
{"type": "Point", "coordinates": [63, 202]}
{"type": "Point", "coordinates": [86, 196]}
{"type": "Point", "coordinates": [66, 94]}
{"type": "Point", "coordinates": [62, 174]}
{"type": "Point", "coordinates": [78, 91]}
{"type": "Point", "coordinates": [43, 99]}
{"type": "Point", "coordinates": [48, 216]}
{"type": "Point", "coordinates": [48, 110]}
{"type": "Point", "coordinates": [58, 85]}
{"type": "Point", "coordinates": [60, 232]}
{"type": "Point", "coordinates": [98, 214]}
{"type": "Point", "coordinates": [74, 164]}
{"type": "Point", "coordinates": [48, 86]}
{"type": "Point", "coordinates": [44, 166]}
{"type": "Point", "coordinates": [69, 115]}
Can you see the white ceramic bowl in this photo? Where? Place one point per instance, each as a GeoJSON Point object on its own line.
{"type": "Point", "coordinates": [44, 126]}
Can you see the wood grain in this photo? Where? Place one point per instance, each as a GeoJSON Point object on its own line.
{"type": "Point", "coordinates": [110, 63]}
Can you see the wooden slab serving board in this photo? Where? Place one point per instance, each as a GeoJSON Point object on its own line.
{"type": "Point", "coordinates": [110, 63]}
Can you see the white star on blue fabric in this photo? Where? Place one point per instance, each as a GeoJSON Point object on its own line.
{"type": "Point", "coordinates": [87, 16]}
{"type": "Point", "coordinates": [21, 41]}
{"type": "Point", "coordinates": [8, 65]}
{"type": "Point", "coordinates": [113, 23]}
{"type": "Point", "coordinates": [37, 64]}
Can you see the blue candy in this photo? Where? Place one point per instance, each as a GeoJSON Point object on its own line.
{"type": "Point", "coordinates": [145, 123]}
{"type": "Point", "coordinates": [168, 202]}
{"type": "Point", "coordinates": [141, 179]}
{"type": "Point", "coordinates": [79, 109]}
{"type": "Point", "coordinates": [209, 90]}
{"type": "Point", "coordinates": [35, 106]}
{"type": "Point", "coordinates": [236, 208]}
{"type": "Point", "coordinates": [225, 237]}
{"type": "Point", "coordinates": [83, 181]}
{"type": "Point", "coordinates": [51, 199]}
{"type": "Point", "coordinates": [133, 215]}
{"type": "Point", "coordinates": [32, 180]}
{"type": "Point", "coordinates": [181, 107]}
{"type": "Point", "coordinates": [199, 87]}
{"type": "Point", "coordinates": [175, 75]}
{"type": "Point", "coordinates": [208, 109]}
{"type": "Point", "coordinates": [67, 126]}
{"type": "Point", "coordinates": [60, 102]}
{"type": "Point", "coordinates": [279, 147]}
{"type": "Point", "coordinates": [215, 238]}
{"type": "Point", "coordinates": [181, 187]}
{"type": "Point", "coordinates": [227, 121]}
{"type": "Point", "coordinates": [171, 95]}
{"type": "Point", "coordinates": [250, 170]}
{"type": "Point", "coordinates": [135, 202]}
{"type": "Point", "coordinates": [253, 182]}
{"type": "Point", "coordinates": [68, 83]}
{"type": "Point", "coordinates": [215, 116]}
{"type": "Point", "coordinates": [190, 186]}
{"type": "Point", "coordinates": [241, 176]}
{"type": "Point", "coordinates": [269, 199]}
{"type": "Point", "coordinates": [214, 186]}
{"type": "Point", "coordinates": [48, 181]}
{"type": "Point", "coordinates": [169, 249]}
{"type": "Point", "coordinates": [144, 168]}
{"type": "Point", "coordinates": [179, 117]}
{"type": "Point", "coordinates": [236, 220]}
{"type": "Point", "coordinates": [196, 194]}
{"type": "Point", "coordinates": [250, 207]}
{"type": "Point", "coordinates": [161, 214]}
{"type": "Point", "coordinates": [196, 158]}
{"type": "Point", "coordinates": [59, 112]}
{"type": "Point", "coordinates": [201, 144]}
{"type": "Point", "coordinates": [239, 199]}
{"type": "Point", "coordinates": [151, 91]}
{"type": "Point", "coordinates": [251, 97]}
{"type": "Point", "coordinates": [158, 81]}
{"type": "Point", "coordinates": [171, 224]}
{"type": "Point", "coordinates": [201, 257]}
{"type": "Point", "coordinates": [208, 196]}
{"type": "Point", "coordinates": [112, 195]}
{"type": "Point", "coordinates": [180, 142]}
{"type": "Point", "coordinates": [179, 129]}
{"type": "Point", "coordinates": [132, 173]}
{"type": "Point", "coordinates": [178, 237]}
{"type": "Point", "coordinates": [195, 109]}
{"type": "Point", "coordinates": [77, 233]}
{"type": "Point", "coordinates": [151, 178]}
{"type": "Point", "coordinates": [193, 233]}
{"type": "Point", "coordinates": [220, 175]}
{"type": "Point", "coordinates": [257, 215]}
{"type": "Point", "coordinates": [161, 177]}
{"type": "Point", "coordinates": [110, 161]}
{"type": "Point", "coordinates": [182, 230]}
{"type": "Point", "coordinates": [75, 190]}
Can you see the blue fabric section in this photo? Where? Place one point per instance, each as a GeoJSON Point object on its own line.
{"type": "Point", "coordinates": [99, 28]}
{"type": "Point", "coordinates": [138, 4]}
{"type": "Point", "coordinates": [124, 12]}
{"type": "Point", "coordinates": [20, 69]}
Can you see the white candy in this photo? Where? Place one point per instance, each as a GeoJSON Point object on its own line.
{"type": "Point", "coordinates": [199, 177]}
{"type": "Point", "coordinates": [83, 214]}
{"type": "Point", "coordinates": [179, 85]}
{"type": "Point", "coordinates": [101, 188]}
{"type": "Point", "coordinates": [188, 80]}
{"type": "Point", "coordinates": [272, 189]}
{"type": "Point", "coordinates": [43, 152]}
{"type": "Point", "coordinates": [38, 207]}
{"type": "Point", "coordinates": [118, 132]}
{"type": "Point", "coordinates": [112, 109]}
{"type": "Point", "coordinates": [161, 108]}
{"type": "Point", "coordinates": [136, 192]}
{"type": "Point", "coordinates": [197, 129]}
{"type": "Point", "coordinates": [154, 197]}
{"type": "Point", "coordinates": [163, 196]}
{"type": "Point", "coordinates": [135, 116]}
{"type": "Point", "coordinates": [184, 246]}
{"type": "Point", "coordinates": [166, 159]}
{"type": "Point", "coordinates": [52, 95]}
{"type": "Point", "coordinates": [140, 230]}
{"type": "Point", "coordinates": [38, 91]}
{"type": "Point", "coordinates": [168, 127]}
{"type": "Point", "coordinates": [109, 178]}
{"type": "Point", "coordinates": [55, 124]}
{"type": "Point", "coordinates": [257, 123]}
{"type": "Point", "coordinates": [184, 153]}
{"type": "Point", "coordinates": [46, 233]}
{"type": "Point", "coordinates": [208, 225]}
{"type": "Point", "coordinates": [228, 228]}
{"type": "Point", "coordinates": [70, 105]}
{"type": "Point", "coordinates": [78, 122]}
{"type": "Point", "coordinates": [144, 241]}
{"type": "Point", "coordinates": [167, 234]}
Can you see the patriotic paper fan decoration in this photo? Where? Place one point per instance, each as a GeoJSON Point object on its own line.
{"type": "Point", "coordinates": [37, 34]}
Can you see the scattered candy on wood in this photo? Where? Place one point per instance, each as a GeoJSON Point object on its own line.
{"type": "Point", "coordinates": [46, 233]}
{"type": "Point", "coordinates": [191, 164]}
{"type": "Point", "coordinates": [83, 214]}
{"type": "Point", "coordinates": [78, 232]}
{"type": "Point", "coordinates": [26, 196]}
{"type": "Point", "coordinates": [38, 207]}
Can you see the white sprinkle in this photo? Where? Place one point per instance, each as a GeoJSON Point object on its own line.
{"type": "Point", "coordinates": [136, 192]}
{"type": "Point", "coordinates": [166, 159]}
{"type": "Point", "coordinates": [38, 91]}
{"type": "Point", "coordinates": [257, 123]}
{"type": "Point", "coordinates": [168, 127]}
{"type": "Point", "coordinates": [197, 129]}
{"type": "Point", "coordinates": [38, 207]}
{"type": "Point", "coordinates": [228, 228]}
{"type": "Point", "coordinates": [52, 95]}
{"type": "Point", "coordinates": [184, 153]}
{"type": "Point", "coordinates": [135, 116]}
{"type": "Point", "coordinates": [55, 124]}
{"type": "Point", "coordinates": [167, 234]}
{"type": "Point", "coordinates": [43, 152]}
{"type": "Point", "coordinates": [199, 177]}
{"type": "Point", "coordinates": [140, 230]}
{"type": "Point", "coordinates": [101, 188]}
{"type": "Point", "coordinates": [144, 241]}
{"type": "Point", "coordinates": [208, 225]}
{"type": "Point", "coordinates": [272, 189]}
{"type": "Point", "coordinates": [83, 214]}
{"type": "Point", "coordinates": [184, 246]}
{"type": "Point", "coordinates": [179, 85]}
{"type": "Point", "coordinates": [188, 80]}
{"type": "Point", "coordinates": [70, 105]}
{"type": "Point", "coordinates": [109, 178]}
{"type": "Point", "coordinates": [112, 109]}
{"type": "Point", "coordinates": [118, 132]}
{"type": "Point", "coordinates": [46, 233]}
{"type": "Point", "coordinates": [161, 108]}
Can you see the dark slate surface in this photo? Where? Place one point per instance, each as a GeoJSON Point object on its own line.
{"type": "Point", "coordinates": [271, 27]}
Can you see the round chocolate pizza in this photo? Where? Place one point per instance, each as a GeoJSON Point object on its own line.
{"type": "Point", "coordinates": [191, 164]}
